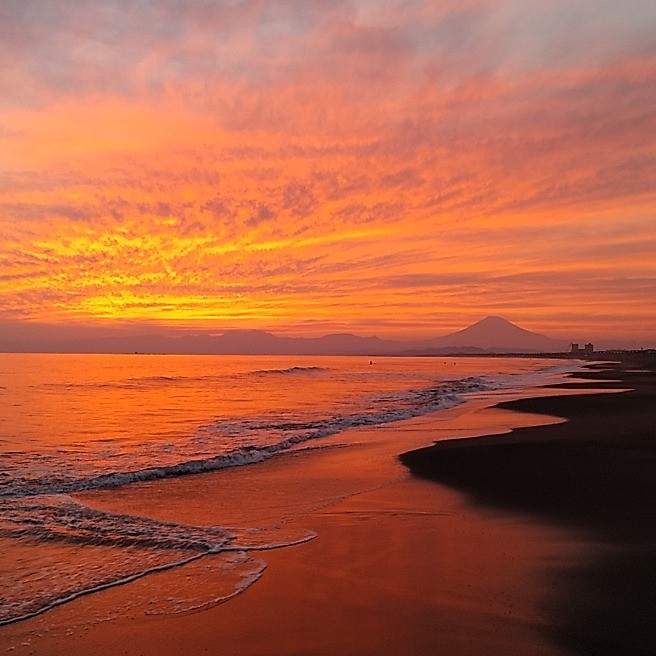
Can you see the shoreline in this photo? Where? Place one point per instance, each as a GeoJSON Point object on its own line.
{"type": "Point", "coordinates": [593, 474]}
{"type": "Point", "coordinates": [399, 565]}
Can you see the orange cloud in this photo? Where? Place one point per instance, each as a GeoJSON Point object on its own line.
{"type": "Point", "coordinates": [400, 169]}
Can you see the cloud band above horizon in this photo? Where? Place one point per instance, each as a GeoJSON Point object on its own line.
{"type": "Point", "coordinates": [393, 167]}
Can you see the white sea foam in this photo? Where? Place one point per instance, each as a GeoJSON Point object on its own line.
{"type": "Point", "coordinates": [238, 441]}
{"type": "Point", "coordinates": [161, 418]}
{"type": "Point", "coordinates": [84, 550]}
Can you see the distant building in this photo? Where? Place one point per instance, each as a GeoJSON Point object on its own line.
{"type": "Point", "coordinates": [587, 350]}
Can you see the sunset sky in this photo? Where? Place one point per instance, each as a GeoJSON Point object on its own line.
{"type": "Point", "coordinates": [400, 168]}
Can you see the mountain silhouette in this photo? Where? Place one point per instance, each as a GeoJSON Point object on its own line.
{"type": "Point", "coordinates": [490, 335]}
{"type": "Point", "coordinates": [496, 334]}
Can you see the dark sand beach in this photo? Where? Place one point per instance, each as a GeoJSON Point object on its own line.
{"type": "Point", "coordinates": [594, 474]}
{"type": "Point", "coordinates": [554, 557]}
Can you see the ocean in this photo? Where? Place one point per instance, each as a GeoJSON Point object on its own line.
{"type": "Point", "coordinates": [76, 423]}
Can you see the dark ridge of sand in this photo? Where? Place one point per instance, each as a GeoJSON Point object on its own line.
{"type": "Point", "coordinates": [595, 473]}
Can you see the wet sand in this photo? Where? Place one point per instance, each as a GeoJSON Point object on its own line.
{"type": "Point", "coordinates": [400, 565]}
{"type": "Point", "coordinates": [594, 474]}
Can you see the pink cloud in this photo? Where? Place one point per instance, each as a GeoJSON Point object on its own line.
{"type": "Point", "coordinates": [474, 152]}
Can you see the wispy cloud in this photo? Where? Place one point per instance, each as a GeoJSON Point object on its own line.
{"type": "Point", "coordinates": [304, 162]}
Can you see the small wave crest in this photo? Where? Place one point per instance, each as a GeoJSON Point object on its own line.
{"type": "Point", "coordinates": [289, 371]}
{"type": "Point", "coordinates": [134, 383]}
{"type": "Point", "coordinates": [244, 441]}
{"type": "Point", "coordinates": [63, 550]}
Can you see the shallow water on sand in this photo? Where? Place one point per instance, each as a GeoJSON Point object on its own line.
{"type": "Point", "coordinates": [75, 423]}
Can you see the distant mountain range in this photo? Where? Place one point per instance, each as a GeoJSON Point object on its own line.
{"type": "Point", "coordinates": [495, 334]}
{"type": "Point", "coordinates": [490, 335]}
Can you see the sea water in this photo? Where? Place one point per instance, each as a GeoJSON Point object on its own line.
{"type": "Point", "coordinates": [70, 423]}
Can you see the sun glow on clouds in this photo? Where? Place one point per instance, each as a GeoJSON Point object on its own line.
{"type": "Point", "coordinates": [399, 167]}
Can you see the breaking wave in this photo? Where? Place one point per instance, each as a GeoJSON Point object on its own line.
{"type": "Point", "coordinates": [235, 442]}
{"type": "Point", "coordinates": [111, 549]}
